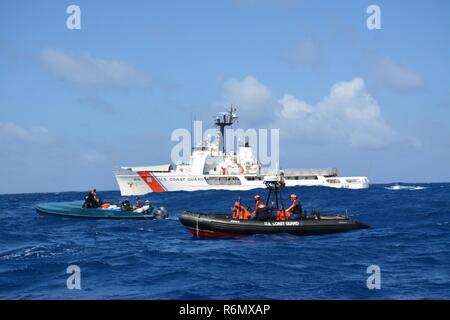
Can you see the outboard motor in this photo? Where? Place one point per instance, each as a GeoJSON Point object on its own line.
{"type": "Point", "coordinates": [161, 213]}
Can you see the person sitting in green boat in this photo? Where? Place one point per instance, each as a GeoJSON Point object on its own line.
{"type": "Point", "coordinates": [92, 201]}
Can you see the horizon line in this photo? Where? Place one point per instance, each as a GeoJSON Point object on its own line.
{"type": "Point", "coordinates": [117, 190]}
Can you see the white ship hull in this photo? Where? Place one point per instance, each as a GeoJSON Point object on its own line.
{"type": "Point", "coordinates": [142, 182]}
{"type": "Point", "coordinates": [212, 168]}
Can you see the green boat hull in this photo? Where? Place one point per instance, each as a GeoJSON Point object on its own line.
{"type": "Point", "coordinates": [75, 209]}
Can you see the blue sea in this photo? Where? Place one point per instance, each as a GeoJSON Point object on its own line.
{"type": "Point", "coordinates": [409, 240]}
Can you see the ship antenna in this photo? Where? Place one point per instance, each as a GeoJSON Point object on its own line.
{"type": "Point", "coordinates": [192, 135]}
{"type": "Point", "coordinates": [225, 119]}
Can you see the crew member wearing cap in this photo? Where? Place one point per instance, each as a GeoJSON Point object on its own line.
{"type": "Point", "coordinates": [295, 209]}
{"type": "Point", "coordinates": [259, 203]}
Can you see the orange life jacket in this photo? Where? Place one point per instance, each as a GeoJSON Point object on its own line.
{"type": "Point", "coordinates": [244, 214]}
{"type": "Point", "coordinates": [283, 215]}
{"type": "Point", "coordinates": [240, 212]}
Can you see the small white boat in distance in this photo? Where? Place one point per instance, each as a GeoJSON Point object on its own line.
{"type": "Point", "coordinates": [211, 167]}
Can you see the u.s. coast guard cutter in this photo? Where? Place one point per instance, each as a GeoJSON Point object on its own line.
{"type": "Point", "coordinates": [212, 167]}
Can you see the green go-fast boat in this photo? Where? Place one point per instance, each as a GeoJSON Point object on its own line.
{"type": "Point", "coordinates": [74, 209]}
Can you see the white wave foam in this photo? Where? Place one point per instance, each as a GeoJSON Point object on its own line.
{"type": "Point", "coordinates": [398, 187]}
{"type": "Point", "coordinates": [38, 251]}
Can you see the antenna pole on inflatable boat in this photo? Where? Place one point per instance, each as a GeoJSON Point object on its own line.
{"type": "Point", "coordinates": [268, 196]}
{"type": "Point", "coordinates": [282, 204]}
{"type": "Point", "coordinates": [276, 196]}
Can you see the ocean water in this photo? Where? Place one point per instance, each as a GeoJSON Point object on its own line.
{"type": "Point", "coordinates": [409, 240]}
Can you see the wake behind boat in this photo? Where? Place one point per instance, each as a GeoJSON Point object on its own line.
{"type": "Point", "coordinates": [212, 167]}
{"type": "Point", "coordinates": [267, 219]}
{"type": "Point", "coordinates": [398, 186]}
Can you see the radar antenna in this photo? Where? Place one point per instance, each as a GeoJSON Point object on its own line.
{"type": "Point", "coordinates": [225, 119]}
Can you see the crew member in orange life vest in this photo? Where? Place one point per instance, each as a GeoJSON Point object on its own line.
{"type": "Point", "coordinates": [295, 209]}
{"type": "Point", "coordinates": [239, 212]}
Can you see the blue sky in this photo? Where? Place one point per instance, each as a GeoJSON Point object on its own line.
{"type": "Point", "coordinates": [76, 103]}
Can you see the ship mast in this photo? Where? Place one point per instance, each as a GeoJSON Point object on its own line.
{"type": "Point", "coordinates": [225, 119]}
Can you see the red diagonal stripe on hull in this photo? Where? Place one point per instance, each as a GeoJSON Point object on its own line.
{"type": "Point", "coordinates": [151, 181]}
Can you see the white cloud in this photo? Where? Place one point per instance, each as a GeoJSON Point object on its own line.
{"type": "Point", "coordinates": [253, 99]}
{"type": "Point", "coordinates": [397, 76]}
{"type": "Point", "coordinates": [10, 132]}
{"type": "Point", "coordinates": [248, 91]}
{"type": "Point", "coordinates": [307, 53]}
{"type": "Point", "coordinates": [348, 114]}
{"type": "Point", "coordinates": [85, 70]}
{"type": "Point", "coordinates": [293, 108]}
